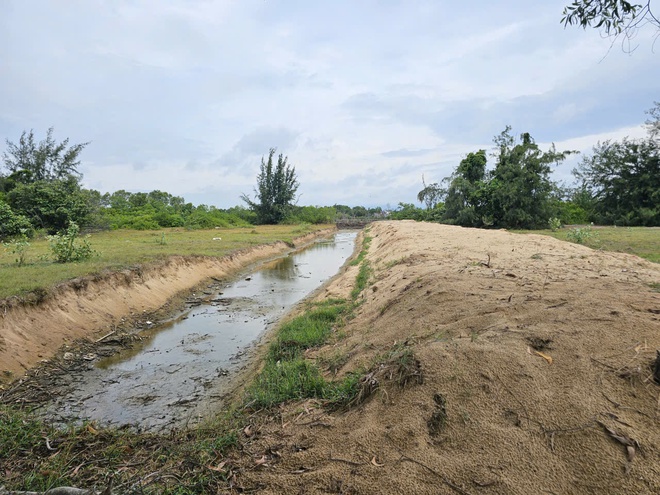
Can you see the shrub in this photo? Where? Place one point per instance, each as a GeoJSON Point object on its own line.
{"type": "Point", "coordinates": [12, 224]}
{"type": "Point", "coordinates": [18, 246]}
{"type": "Point", "coordinates": [66, 248]}
{"type": "Point", "coordinates": [554, 224]}
{"type": "Point", "coordinates": [580, 234]}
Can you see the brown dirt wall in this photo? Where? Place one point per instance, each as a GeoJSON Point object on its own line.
{"type": "Point", "coordinates": [93, 306]}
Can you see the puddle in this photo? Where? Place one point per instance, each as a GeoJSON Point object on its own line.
{"type": "Point", "coordinates": [182, 368]}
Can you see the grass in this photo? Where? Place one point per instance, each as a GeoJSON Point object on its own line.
{"type": "Point", "coordinates": [36, 456]}
{"type": "Point", "coordinates": [120, 249]}
{"type": "Point", "coordinates": [286, 374]}
{"type": "Point", "coordinates": [640, 241]}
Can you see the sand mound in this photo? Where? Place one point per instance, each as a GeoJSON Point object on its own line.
{"type": "Point", "coordinates": [536, 356]}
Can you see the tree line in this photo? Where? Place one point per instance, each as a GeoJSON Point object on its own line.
{"type": "Point", "coordinates": [41, 191]}
{"type": "Point", "coordinates": [617, 184]}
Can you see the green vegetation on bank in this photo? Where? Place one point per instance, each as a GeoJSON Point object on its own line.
{"type": "Point", "coordinates": [120, 249]}
{"type": "Point", "coordinates": [640, 241]}
{"type": "Point", "coordinates": [287, 375]}
{"type": "Point", "coordinates": [617, 184]}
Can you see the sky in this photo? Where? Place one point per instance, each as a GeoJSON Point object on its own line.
{"type": "Point", "coordinates": [366, 98]}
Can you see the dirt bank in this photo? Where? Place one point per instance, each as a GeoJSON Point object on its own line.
{"type": "Point", "coordinates": [96, 305]}
{"type": "Point", "coordinates": [536, 356]}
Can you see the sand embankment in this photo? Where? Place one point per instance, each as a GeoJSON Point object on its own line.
{"type": "Point", "coordinates": [536, 356]}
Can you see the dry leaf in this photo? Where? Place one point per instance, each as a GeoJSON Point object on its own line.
{"type": "Point", "coordinates": [631, 452]}
{"type": "Point", "coordinates": [375, 462]}
{"type": "Point", "coordinates": [544, 356]}
{"type": "Point", "coordinates": [92, 430]}
{"type": "Point", "coordinates": [75, 471]}
{"type": "Point", "coordinates": [248, 431]}
{"type": "Point", "coordinates": [219, 467]}
{"type": "Point", "coordinates": [261, 462]}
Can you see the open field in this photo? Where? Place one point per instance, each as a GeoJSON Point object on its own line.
{"type": "Point", "coordinates": [120, 249]}
{"type": "Point", "coordinates": [640, 241]}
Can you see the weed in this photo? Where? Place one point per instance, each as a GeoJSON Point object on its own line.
{"type": "Point", "coordinates": [285, 380]}
{"type": "Point", "coordinates": [121, 249]}
{"type": "Point", "coordinates": [366, 242]}
{"type": "Point", "coordinates": [361, 280]}
{"type": "Point", "coordinates": [66, 248]}
{"type": "Point", "coordinates": [393, 263]}
{"type": "Point", "coordinates": [334, 362]}
{"type": "Point", "coordinates": [537, 256]}
{"type": "Point", "coordinates": [162, 241]}
{"type": "Point", "coordinates": [438, 419]}
{"type": "Point", "coordinates": [640, 241]}
{"type": "Point", "coordinates": [18, 433]}
{"type": "Point", "coordinates": [580, 234]}
{"type": "Point", "coordinates": [465, 416]}
{"type": "Point", "coordinates": [303, 228]}
{"type": "Point", "coordinates": [18, 246]}
{"type": "Point", "coordinates": [655, 286]}
{"type": "Point", "coordinates": [554, 224]}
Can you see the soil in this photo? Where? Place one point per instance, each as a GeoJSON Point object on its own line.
{"type": "Point", "coordinates": [537, 361]}
{"type": "Point", "coordinates": [111, 303]}
{"type": "Point", "coordinates": [532, 372]}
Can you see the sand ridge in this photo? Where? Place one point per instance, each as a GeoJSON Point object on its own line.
{"type": "Point", "coordinates": [536, 356]}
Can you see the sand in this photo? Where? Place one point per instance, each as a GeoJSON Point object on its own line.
{"type": "Point", "coordinates": [536, 358]}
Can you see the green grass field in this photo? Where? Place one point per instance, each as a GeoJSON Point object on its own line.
{"type": "Point", "coordinates": [120, 249]}
{"type": "Point", "coordinates": [640, 241]}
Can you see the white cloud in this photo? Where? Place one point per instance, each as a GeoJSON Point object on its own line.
{"type": "Point", "coordinates": [364, 97]}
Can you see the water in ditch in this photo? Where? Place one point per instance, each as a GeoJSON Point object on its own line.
{"type": "Point", "coordinates": [183, 368]}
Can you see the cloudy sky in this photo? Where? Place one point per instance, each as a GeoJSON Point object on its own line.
{"type": "Point", "coordinates": [364, 96]}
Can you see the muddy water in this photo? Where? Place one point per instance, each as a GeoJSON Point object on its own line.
{"type": "Point", "coordinates": [182, 369]}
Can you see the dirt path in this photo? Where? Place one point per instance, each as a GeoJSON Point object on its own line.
{"type": "Point", "coordinates": [93, 306]}
{"type": "Point", "coordinates": [536, 356]}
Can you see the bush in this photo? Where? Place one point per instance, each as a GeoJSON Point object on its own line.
{"type": "Point", "coordinates": [580, 234]}
{"type": "Point", "coordinates": [65, 247]}
{"type": "Point", "coordinates": [12, 224]}
{"type": "Point", "coordinates": [554, 224]}
{"type": "Point", "coordinates": [18, 246]}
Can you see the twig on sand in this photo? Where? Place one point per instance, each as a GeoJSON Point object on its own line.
{"type": "Point", "coordinates": [339, 459]}
{"type": "Point", "coordinates": [442, 477]}
{"type": "Point", "coordinates": [105, 336]}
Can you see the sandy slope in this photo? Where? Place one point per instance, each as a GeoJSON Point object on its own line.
{"type": "Point", "coordinates": [473, 305]}
{"type": "Point", "coordinates": [93, 306]}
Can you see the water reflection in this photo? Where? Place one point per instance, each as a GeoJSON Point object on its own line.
{"type": "Point", "coordinates": [192, 358]}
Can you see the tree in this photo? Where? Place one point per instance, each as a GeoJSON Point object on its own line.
{"type": "Point", "coordinates": [653, 123]}
{"type": "Point", "coordinates": [465, 201]}
{"type": "Point", "coordinates": [47, 160]}
{"type": "Point", "coordinates": [276, 190]}
{"type": "Point", "coordinates": [623, 178]}
{"type": "Point", "coordinates": [431, 195]}
{"type": "Point", "coordinates": [517, 193]}
{"type": "Point", "coordinates": [51, 205]}
{"type": "Point", "coordinates": [520, 185]}
{"type": "Point", "coordinates": [614, 17]}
